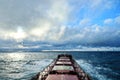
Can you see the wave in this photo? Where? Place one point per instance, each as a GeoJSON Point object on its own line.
{"type": "Point", "coordinates": [20, 69]}
{"type": "Point", "coordinates": [92, 70]}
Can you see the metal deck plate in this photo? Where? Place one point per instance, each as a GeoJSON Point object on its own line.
{"type": "Point", "coordinates": [61, 62]}
{"type": "Point", "coordinates": [63, 67]}
{"type": "Point", "coordinates": [62, 77]}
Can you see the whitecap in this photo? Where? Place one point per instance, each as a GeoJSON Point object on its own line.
{"type": "Point", "coordinates": [91, 70]}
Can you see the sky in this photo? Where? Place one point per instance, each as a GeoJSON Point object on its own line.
{"type": "Point", "coordinates": [60, 24]}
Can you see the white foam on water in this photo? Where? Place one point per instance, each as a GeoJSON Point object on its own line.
{"type": "Point", "coordinates": [91, 70]}
{"type": "Point", "coordinates": [37, 66]}
{"type": "Point", "coordinates": [20, 69]}
{"type": "Point", "coordinates": [103, 68]}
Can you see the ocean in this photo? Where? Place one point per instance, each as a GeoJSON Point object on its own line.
{"type": "Point", "coordinates": [100, 65]}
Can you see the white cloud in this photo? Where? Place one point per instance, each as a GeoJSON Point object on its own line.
{"type": "Point", "coordinates": [113, 21]}
{"type": "Point", "coordinates": [84, 22]}
{"type": "Point", "coordinates": [59, 11]}
{"type": "Point", "coordinates": [49, 20]}
{"type": "Point", "coordinates": [117, 20]}
{"type": "Point", "coordinates": [45, 23]}
{"type": "Point", "coordinates": [49, 27]}
{"type": "Point", "coordinates": [17, 34]}
{"type": "Point", "coordinates": [95, 3]}
{"type": "Point", "coordinates": [108, 21]}
{"type": "Point", "coordinates": [57, 36]}
{"type": "Point", "coordinates": [41, 29]}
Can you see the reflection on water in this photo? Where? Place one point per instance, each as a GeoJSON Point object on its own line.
{"type": "Point", "coordinates": [15, 56]}
{"type": "Point", "coordinates": [21, 66]}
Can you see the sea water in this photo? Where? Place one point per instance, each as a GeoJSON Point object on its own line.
{"type": "Point", "coordinates": [25, 65]}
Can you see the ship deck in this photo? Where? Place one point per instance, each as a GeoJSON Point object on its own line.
{"type": "Point", "coordinates": [62, 68]}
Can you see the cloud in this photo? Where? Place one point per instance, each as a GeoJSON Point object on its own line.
{"type": "Point", "coordinates": [84, 22]}
{"type": "Point", "coordinates": [117, 20]}
{"type": "Point", "coordinates": [80, 22]}
{"type": "Point", "coordinates": [36, 19]}
{"type": "Point", "coordinates": [50, 24]}
{"type": "Point", "coordinates": [112, 21]}
{"type": "Point", "coordinates": [95, 34]}
{"type": "Point", "coordinates": [108, 21]}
